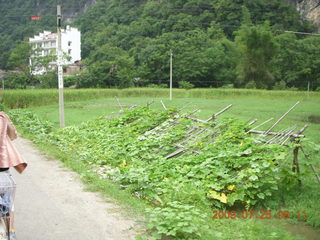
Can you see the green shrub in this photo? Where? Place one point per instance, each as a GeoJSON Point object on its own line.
{"type": "Point", "coordinates": [69, 80]}
{"type": "Point", "coordinates": [85, 80]}
{"type": "Point", "coordinates": [185, 85]}
{"type": "Point", "coordinates": [280, 85]}
{"type": "Point", "coordinates": [177, 220]}
{"type": "Point", "coordinates": [16, 80]}
{"type": "Point", "coordinates": [47, 80]}
{"type": "Point", "coordinates": [251, 85]}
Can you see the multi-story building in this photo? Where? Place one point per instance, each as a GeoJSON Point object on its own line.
{"type": "Point", "coordinates": [44, 48]}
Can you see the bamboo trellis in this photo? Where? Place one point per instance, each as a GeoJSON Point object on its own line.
{"type": "Point", "coordinates": [200, 132]}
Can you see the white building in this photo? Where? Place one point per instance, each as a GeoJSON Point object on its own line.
{"type": "Point", "coordinates": [45, 44]}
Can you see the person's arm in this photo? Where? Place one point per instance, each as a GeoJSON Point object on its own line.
{"type": "Point", "coordinates": [12, 132]}
{"type": "Point", "coordinates": [3, 130]}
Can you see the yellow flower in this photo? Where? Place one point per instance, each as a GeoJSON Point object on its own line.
{"type": "Point", "coordinates": [123, 164]}
{"type": "Point", "coordinates": [214, 194]}
{"type": "Point", "coordinates": [230, 187]}
{"type": "Point", "coordinates": [223, 198]}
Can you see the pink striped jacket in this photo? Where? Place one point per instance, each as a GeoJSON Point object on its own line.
{"type": "Point", "coordinates": [9, 156]}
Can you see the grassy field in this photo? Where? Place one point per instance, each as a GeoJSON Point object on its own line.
{"type": "Point", "coordinates": [244, 107]}
{"type": "Point", "coordinates": [39, 97]}
{"type": "Point", "coordinates": [84, 105]}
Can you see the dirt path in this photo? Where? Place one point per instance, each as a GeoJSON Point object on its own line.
{"type": "Point", "coordinates": [51, 204]}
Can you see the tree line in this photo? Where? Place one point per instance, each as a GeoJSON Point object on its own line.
{"type": "Point", "coordinates": [216, 43]}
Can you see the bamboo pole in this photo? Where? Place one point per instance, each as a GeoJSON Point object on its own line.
{"type": "Point", "coordinates": [286, 139]}
{"type": "Point", "coordinates": [282, 117]}
{"type": "Point", "coordinates": [253, 122]}
{"type": "Point", "coordinates": [260, 125]}
{"type": "Point", "coordinates": [279, 134]}
{"type": "Point", "coordinates": [214, 116]}
{"type": "Point", "coordinates": [164, 106]}
{"type": "Point", "coordinates": [121, 109]}
{"type": "Point", "coordinates": [276, 134]}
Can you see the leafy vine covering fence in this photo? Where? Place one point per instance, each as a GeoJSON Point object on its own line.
{"type": "Point", "coordinates": [180, 164]}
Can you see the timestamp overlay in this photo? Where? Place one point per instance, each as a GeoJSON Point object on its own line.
{"type": "Point", "coordinates": [261, 214]}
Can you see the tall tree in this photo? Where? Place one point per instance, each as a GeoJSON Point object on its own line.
{"type": "Point", "coordinates": [258, 47]}
{"type": "Point", "coordinates": [297, 63]}
{"type": "Point", "coordinates": [19, 56]}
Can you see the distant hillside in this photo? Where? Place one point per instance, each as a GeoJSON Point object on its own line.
{"type": "Point", "coordinates": [215, 43]}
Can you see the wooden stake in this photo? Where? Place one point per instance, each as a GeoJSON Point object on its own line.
{"type": "Point", "coordinates": [295, 167]}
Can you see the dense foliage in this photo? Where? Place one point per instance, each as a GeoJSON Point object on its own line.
{"type": "Point", "coordinates": [231, 171]}
{"type": "Point", "coordinates": [215, 43]}
{"type": "Point", "coordinates": [201, 35]}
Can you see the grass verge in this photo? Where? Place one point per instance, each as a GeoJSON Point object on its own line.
{"type": "Point", "coordinates": [39, 97]}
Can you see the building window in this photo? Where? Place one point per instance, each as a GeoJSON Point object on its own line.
{"type": "Point", "coordinates": [69, 43]}
{"type": "Point", "coordinates": [69, 51]}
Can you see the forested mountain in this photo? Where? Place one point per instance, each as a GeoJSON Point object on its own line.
{"type": "Point", "coordinates": [215, 43]}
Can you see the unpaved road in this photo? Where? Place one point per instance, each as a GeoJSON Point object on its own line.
{"type": "Point", "coordinates": [51, 204]}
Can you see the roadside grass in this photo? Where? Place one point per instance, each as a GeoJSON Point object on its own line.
{"type": "Point", "coordinates": [38, 97]}
{"type": "Point", "coordinates": [247, 106]}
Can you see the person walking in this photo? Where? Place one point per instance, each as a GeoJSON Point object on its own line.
{"type": "Point", "coordinates": [9, 157]}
